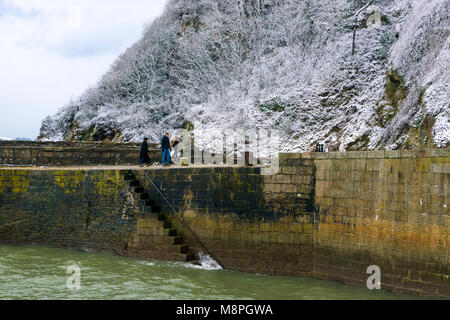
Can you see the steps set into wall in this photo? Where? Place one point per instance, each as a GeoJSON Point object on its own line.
{"type": "Point", "coordinates": [156, 237]}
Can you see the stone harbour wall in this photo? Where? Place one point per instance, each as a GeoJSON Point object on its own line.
{"type": "Point", "coordinates": [324, 215]}
{"type": "Point", "coordinates": [71, 153]}
{"type": "Point", "coordinates": [384, 208]}
{"type": "Point", "coordinates": [78, 209]}
{"type": "Point", "coordinates": [246, 220]}
{"type": "Point", "coordinates": [64, 208]}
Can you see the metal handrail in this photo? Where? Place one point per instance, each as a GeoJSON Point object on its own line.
{"type": "Point", "coordinates": [181, 219]}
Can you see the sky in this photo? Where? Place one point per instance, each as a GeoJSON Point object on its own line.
{"type": "Point", "coordinates": [52, 50]}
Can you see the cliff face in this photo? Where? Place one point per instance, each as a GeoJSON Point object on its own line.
{"type": "Point", "coordinates": [283, 64]}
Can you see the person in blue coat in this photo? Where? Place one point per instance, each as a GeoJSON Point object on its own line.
{"type": "Point", "coordinates": [165, 149]}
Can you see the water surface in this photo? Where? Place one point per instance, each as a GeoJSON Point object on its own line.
{"type": "Point", "coordinates": [34, 272]}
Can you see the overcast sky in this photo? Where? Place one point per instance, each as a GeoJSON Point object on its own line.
{"type": "Point", "coordinates": [52, 50]}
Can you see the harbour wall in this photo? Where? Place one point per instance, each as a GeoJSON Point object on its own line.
{"type": "Point", "coordinates": [324, 215]}
{"type": "Point", "coordinates": [63, 153]}
{"type": "Point", "coordinates": [384, 208]}
{"type": "Point", "coordinates": [76, 209]}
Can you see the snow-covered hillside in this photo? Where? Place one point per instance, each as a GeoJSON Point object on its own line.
{"type": "Point", "coordinates": [282, 64]}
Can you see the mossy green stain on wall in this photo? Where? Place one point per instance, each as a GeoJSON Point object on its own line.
{"type": "Point", "coordinates": [369, 211]}
{"type": "Point", "coordinates": [16, 181]}
{"type": "Point", "coordinates": [104, 182]}
{"type": "Point", "coordinates": [70, 181]}
{"type": "Point", "coordinates": [65, 208]}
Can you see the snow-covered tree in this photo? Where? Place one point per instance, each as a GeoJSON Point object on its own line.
{"type": "Point", "coordinates": [282, 64]}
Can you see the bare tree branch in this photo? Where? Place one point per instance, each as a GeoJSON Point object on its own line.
{"type": "Point", "coordinates": [356, 24]}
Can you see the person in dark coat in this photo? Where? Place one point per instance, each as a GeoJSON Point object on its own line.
{"type": "Point", "coordinates": [165, 149]}
{"type": "Point", "coordinates": [143, 157]}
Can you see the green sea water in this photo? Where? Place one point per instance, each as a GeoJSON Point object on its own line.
{"type": "Point", "coordinates": [34, 272]}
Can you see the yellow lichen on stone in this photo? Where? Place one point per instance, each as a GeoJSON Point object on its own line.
{"type": "Point", "coordinates": [70, 181]}
{"type": "Point", "coordinates": [18, 181]}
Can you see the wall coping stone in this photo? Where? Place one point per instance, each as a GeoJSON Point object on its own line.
{"type": "Point", "coordinates": [81, 145]}
{"type": "Point", "coordinates": [380, 154]}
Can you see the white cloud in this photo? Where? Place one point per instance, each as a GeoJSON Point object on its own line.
{"type": "Point", "coordinates": [52, 50]}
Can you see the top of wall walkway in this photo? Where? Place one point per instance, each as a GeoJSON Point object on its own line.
{"type": "Point", "coordinates": [379, 154]}
{"type": "Point", "coordinates": [69, 144]}
{"type": "Point", "coordinates": [63, 153]}
{"type": "Point", "coordinates": [80, 153]}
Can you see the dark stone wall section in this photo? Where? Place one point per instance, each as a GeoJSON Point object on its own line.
{"type": "Point", "coordinates": [69, 209]}
{"type": "Point", "coordinates": [324, 215]}
{"type": "Point", "coordinates": [243, 218]}
{"type": "Point", "coordinates": [71, 153]}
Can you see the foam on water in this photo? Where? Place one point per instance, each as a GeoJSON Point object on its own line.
{"type": "Point", "coordinates": [41, 273]}
{"type": "Point", "coordinates": [207, 262]}
{"type": "Point", "coordinates": [146, 263]}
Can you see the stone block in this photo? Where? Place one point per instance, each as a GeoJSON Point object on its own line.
{"type": "Point", "coordinates": [289, 188]}
{"type": "Point", "coordinates": [289, 170]}
{"type": "Point", "coordinates": [286, 237]}
{"type": "Point", "coordinates": [322, 155]}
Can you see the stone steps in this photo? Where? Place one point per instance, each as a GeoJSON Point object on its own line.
{"type": "Point", "coordinates": [166, 247]}
{"type": "Point", "coordinates": [134, 183]}
{"type": "Point", "coordinates": [174, 247]}
{"type": "Point", "coordinates": [138, 189]}
{"type": "Point", "coordinates": [160, 255]}
{"type": "Point", "coordinates": [149, 204]}
{"type": "Point", "coordinates": [172, 232]}
{"type": "Point", "coordinates": [129, 177]}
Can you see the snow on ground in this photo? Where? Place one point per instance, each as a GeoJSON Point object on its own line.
{"type": "Point", "coordinates": [278, 65]}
